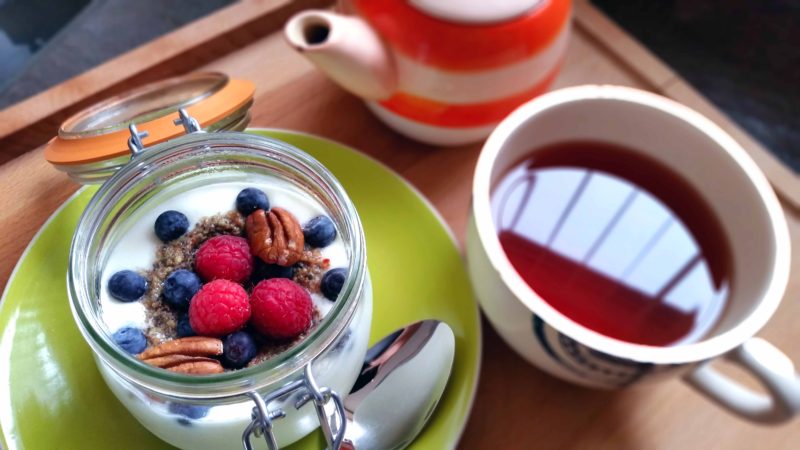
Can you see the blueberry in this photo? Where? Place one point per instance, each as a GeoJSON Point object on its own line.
{"type": "Point", "coordinates": [127, 286]}
{"type": "Point", "coordinates": [179, 288]}
{"type": "Point", "coordinates": [332, 283]}
{"type": "Point", "coordinates": [319, 231]}
{"type": "Point", "coordinates": [171, 225]}
{"type": "Point", "coordinates": [132, 340]}
{"type": "Point", "coordinates": [264, 271]}
{"type": "Point", "coordinates": [238, 349]}
{"type": "Point", "coordinates": [184, 328]}
{"type": "Point", "coordinates": [251, 199]}
{"type": "Point", "coordinates": [187, 412]}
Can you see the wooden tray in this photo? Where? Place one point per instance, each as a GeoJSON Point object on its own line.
{"type": "Point", "coordinates": [517, 406]}
{"type": "Point", "coordinates": [32, 122]}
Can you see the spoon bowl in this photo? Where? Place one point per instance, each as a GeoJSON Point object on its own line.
{"type": "Point", "coordinates": [401, 382]}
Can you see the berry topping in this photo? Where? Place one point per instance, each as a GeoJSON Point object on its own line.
{"type": "Point", "coordinates": [282, 309]}
{"type": "Point", "coordinates": [127, 286]}
{"type": "Point", "coordinates": [224, 257]}
{"type": "Point", "coordinates": [171, 225]}
{"type": "Point", "coordinates": [219, 308]}
{"type": "Point", "coordinates": [238, 349]}
{"type": "Point", "coordinates": [184, 328]}
{"type": "Point", "coordinates": [319, 231]}
{"type": "Point", "coordinates": [264, 271]}
{"type": "Point", "coordinates": [332, 283]}
{"type": "Point", "coordinates": [179, 288]}
{"type": "Point", "coordinates": [251, 199]}
{"type": "Point", "coordinates": [131, 340]}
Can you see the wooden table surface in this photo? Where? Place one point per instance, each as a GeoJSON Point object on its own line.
{"type": "Point", "coordinates": [517, 406]}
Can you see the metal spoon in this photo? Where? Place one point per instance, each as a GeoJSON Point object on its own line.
{"type": "Point", "coordinates": [400, 384]}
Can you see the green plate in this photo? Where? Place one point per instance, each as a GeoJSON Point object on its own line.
{"type": "Point", "coordinates": [52, 396]}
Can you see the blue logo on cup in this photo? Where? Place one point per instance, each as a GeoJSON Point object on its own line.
{"type": "Point", "coordinates": [602, 369]}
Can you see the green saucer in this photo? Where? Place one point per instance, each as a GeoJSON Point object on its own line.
{"type": "Point", "coordinates": [52, 396]}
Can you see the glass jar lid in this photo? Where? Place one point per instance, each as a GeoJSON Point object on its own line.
{"type": "Point", "coordinates": [92, 144]}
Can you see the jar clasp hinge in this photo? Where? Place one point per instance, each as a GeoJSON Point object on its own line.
{"type": "Point", "coordinates": [333, 426]}
{"type": "Point", "coordinates": [190, 125]}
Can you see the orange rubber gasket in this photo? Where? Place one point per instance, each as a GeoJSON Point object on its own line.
{"type": "Point", "coordinates": [233, 96]}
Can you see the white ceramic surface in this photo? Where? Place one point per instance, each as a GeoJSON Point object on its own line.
{"type": "Point", "coordinates": [475, 11]}
{"type": "Point", "coordinates": [347, 49]}
{"type": "Point", "coordinates": [470, 87]}
{"type": "Point", "coordinates": [429, 134]}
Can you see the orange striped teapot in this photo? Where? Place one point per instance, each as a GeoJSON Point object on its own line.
{"type": "Point", "coordinates": [443, 72]}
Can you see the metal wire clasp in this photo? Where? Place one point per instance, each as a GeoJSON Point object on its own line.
{"type": "Point", "coordinates": [333, 426]}
{"type": "Point", "coordinates": [135, 141]}
{"type": "Point", "coordinates": [190, 125]}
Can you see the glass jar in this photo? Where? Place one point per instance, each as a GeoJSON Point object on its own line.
{"type": "Point", "coordinates": [298, 387]}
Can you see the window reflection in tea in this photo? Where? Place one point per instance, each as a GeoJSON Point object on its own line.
{"type": "Point", "coordinates": [615, 241]}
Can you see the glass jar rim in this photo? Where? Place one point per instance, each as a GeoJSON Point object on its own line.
{"type": "Point", "coordinates": [142, 104]}
{"type": "Point", "coordinates": [233, 382]}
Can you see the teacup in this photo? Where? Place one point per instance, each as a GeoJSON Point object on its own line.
{"type": "Point", "coordinates": [738, 194]}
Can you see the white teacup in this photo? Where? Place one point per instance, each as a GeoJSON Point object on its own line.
{"type": "Point", "coordinates": [738, 193]}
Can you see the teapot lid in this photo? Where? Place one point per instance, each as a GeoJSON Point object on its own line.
{"type": "Point", "coordinates": [475, 11]}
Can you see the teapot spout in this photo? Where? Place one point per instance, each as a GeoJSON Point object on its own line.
{"type": "Point", "coordinates": [347, 49]}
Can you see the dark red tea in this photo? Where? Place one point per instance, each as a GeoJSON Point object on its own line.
{"type": "Point", "coordinates": [615, 241]}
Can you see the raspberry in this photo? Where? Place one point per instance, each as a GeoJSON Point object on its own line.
{"type": "Point", "coordinates": [224, 257]}
{"type": "Point", "coordinates": [281, 308]}
{"type": "Point", "coordinates": [219, 308]}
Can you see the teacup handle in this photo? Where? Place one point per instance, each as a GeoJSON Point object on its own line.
{"type": "Point", "coordinates": [773, 369]}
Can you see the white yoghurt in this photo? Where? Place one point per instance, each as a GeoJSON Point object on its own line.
{"type": "Point", "coordinates": [136, 246]}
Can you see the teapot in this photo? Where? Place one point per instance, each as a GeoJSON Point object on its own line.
{"type": "Point", "coordinates": [444, 72]}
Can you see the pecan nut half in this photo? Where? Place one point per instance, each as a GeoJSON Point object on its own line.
{"type": "Point", "coordinates": [275, 236]}
{"type": "Point", "coordinates": [168, 361]}
{"type": "Point", "coordinates": [187, 355]}
{"type": "Point", "coordinates": [188, 346]}
{"type": "Point", "coordinates": [209, 367]}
